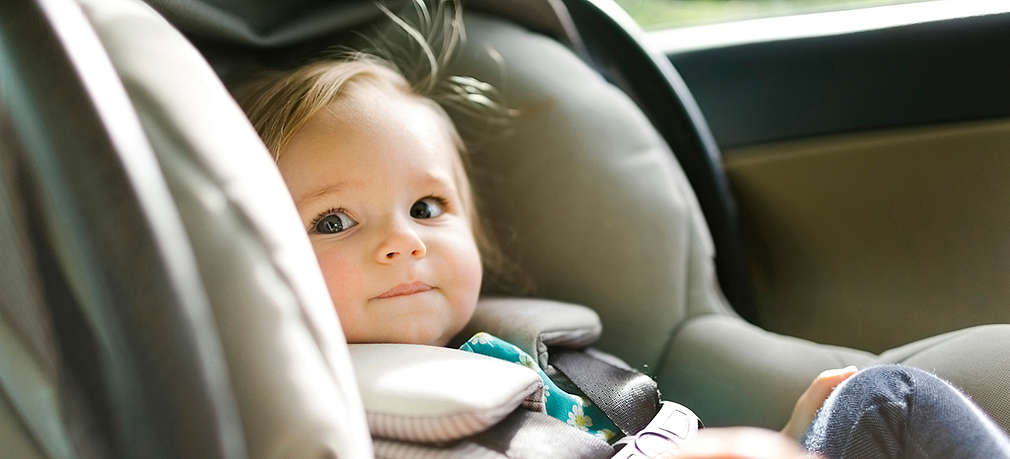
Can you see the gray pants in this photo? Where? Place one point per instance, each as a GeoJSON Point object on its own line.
{"type": "Point", "coordinates": [896, 411]}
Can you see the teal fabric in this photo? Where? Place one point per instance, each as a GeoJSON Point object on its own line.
{"type": "Point", "coordinates": [577, 411]}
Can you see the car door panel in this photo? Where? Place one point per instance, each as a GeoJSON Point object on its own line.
{"type": "Point", "coordinates": [872, 174]}
{"type": "Point", "coordinates": [850, 235]}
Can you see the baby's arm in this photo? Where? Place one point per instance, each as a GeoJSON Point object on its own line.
{"type": "Point", "coordinates": [811, 400]}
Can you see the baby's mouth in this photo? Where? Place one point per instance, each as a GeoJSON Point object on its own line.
{"type": "Point", "coordinates": [405, 289]}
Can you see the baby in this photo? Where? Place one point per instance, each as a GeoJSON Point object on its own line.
{"type": "Point", "coordinates": [377, 176]}
{"type": "Point", "coordinates": [378, 173]}
{"type": "Point", "coordinates": [376, 170]}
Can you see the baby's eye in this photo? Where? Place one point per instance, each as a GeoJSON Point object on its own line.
{"type": "Point", "coordinates": [333, 222]}
{"type": "Point", "coordinates": [429, 207]}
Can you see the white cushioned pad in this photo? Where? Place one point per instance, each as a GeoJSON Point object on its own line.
{"type": "Point", "coordinates": [435, 394]}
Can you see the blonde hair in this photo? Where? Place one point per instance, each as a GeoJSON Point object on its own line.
{"type": "Point", "coordinates": [279, 103]}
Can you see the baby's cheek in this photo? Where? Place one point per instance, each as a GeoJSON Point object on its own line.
{"type": "Point", "coordinates": [343, 280]}
{"type": "Point", "coordinates": [470, 274]}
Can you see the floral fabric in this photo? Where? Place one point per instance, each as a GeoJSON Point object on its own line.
{"type": "Point", "coordinates": [577, 411]}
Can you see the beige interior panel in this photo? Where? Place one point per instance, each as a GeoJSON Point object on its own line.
{"type": "Point", "coordinates": [874, 240]}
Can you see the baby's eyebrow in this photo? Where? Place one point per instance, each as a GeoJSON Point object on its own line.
{"type": "Point", "coordinates": [432, 178]}
{"type": "Point", "coordinates": [324, 190]}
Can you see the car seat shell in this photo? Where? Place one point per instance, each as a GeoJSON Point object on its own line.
{"type": "Point", "coordinates": [654, 291]}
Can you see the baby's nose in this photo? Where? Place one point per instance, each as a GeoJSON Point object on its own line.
{"type": "Point", "coordinates": [400, 243]}
{"type": "Point", "coordinates": [419, 252]}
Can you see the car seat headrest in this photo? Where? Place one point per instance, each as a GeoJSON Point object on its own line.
{"type": "Point", "coordinates": [587, 195]}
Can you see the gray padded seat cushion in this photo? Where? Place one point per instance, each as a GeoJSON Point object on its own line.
{"type": "Point", "coordinates": [593, 205]}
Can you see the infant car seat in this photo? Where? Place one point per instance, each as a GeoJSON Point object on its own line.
{"type": "Point", "coordinates": [162, 298]}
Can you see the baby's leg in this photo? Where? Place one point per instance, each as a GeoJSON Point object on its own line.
{"type": "Point", "coordinates": [897, 411]}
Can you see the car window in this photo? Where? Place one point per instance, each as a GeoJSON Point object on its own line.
{"type": "Point", "coordinates": [661, 14]}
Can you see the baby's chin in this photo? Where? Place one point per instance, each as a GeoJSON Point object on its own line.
{"type": "Point", "coordinates": [431, 337]}
{"type": "Point", "coordinates": [408, 334]}
{"type": "Point", "coordinates": [428, 339]}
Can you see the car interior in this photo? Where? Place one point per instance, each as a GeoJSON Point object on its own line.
{"type": "Point", "coordinates": [730, 220]}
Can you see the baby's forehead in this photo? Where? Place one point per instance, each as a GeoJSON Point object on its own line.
{"type": "Point", "coordinates": [385, 139]}
{"type": "Point", "coordinates": [386, 113]}
{"type": "Point", "coordinates": [368, 92]}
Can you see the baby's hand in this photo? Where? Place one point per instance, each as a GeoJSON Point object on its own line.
{"type": "Point", "coordinates": [811, 400]}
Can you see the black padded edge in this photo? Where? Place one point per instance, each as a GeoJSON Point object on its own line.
{"type": "Point", "coordinates": [936, 72]}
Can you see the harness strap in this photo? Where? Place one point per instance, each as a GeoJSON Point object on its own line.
{"type": "Point", "coordinates": [629, 398]}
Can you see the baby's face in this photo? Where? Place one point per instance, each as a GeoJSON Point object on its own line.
{"type": "Point", "coordinates": [373, 179]}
